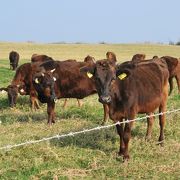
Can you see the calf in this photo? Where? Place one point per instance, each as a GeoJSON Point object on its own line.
{"type": "Point", "coordinates": [62, 79]}
{"type": "Point", "coordinates": [22, 83]}
{"type": "Point", "coordinates": [14, 59]}
{"type": "Point", "coordinates": [129, 89]}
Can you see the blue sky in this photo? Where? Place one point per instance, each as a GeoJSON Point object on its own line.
{"type": "Point", "coordinates": [91, 21]}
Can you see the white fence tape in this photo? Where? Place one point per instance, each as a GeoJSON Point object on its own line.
{"type": "Point", "coordinates": [8, 147]}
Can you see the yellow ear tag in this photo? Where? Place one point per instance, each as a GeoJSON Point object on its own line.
{"type": "Point", "coordinates": [122, 76]}
{"type": "Point", "coordinates": [89, 75]}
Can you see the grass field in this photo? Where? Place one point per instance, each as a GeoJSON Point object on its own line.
{"type": "Point", "coordinates": [86, 156]}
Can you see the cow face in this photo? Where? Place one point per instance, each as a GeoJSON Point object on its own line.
{"type": "Point", "coordinates": [44, 84]}
{"type": "Point", "coordinates": [12, 92]}
{"type": "Point", "coordinates": [103, 72]}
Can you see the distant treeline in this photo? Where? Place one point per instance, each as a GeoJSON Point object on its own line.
{"type": "Point", "coordinates": [174, 43]}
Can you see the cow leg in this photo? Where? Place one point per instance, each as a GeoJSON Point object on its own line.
{"type": "Point", "coordinates": [37, 103]}
{"type": "Point", "coordinates": [127, 137]}
{"type": "Point", "coordinates": [162, 108]}
{"type": "Point", "coordinates": [171, 85]}
{"type": "Point", "coordinates": [106, 113]}
{"type": "Point", "coordinates": [50, 111]}
{"type": "Point", "coordinates": [79, 102]}
{"type": "Point", "coordinates": [65, 102]}
{"type": "Point", "coordinates": [150, 122]}
{"type": "Point", "coordinates": [120, 130]}
{"type": "Point", "coordinates": [34, 103]}
{"type": "Point", "coordinates": [178, 81]}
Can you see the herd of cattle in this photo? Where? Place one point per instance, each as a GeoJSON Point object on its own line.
{"type": "Point", "coordinates": [126, 89]}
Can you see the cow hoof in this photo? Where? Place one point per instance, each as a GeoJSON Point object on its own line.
{"type": "Point", "coordinates": [103, 123]}
{"type": "Point", "coordinates": [121, 152]}
{"type": "Point", "coordinates": [126, 158]}
{"type": "Point", "coordinates": [161, 143]}
{"type": "Point", "coordinates": [147, 138]}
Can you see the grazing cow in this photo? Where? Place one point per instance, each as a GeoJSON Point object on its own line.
{"type": "Point", "coordinates": [138, 57]}
{"type": "Point", "coordinates": [62, 79]}
{"type": "Point", "coordinates": [40, 58]}
{"type": "Point", "coordinates": [129, 89]}
{"type": "Point", "coordinates": [14, 59]}
{"type": "Point", "coordinates": [22, 84]}
{"type": "Point", "coordinates": [174, 71]}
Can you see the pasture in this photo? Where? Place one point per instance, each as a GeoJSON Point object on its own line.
{"type": "Point", "coordinates": [90, 155]}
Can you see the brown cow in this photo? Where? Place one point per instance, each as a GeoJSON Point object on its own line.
{"type": "Point", "coordinates": [22, 83]}
{"type": "Point", "coordinates": [173, 71]}
{"type": "Point", "coordinates": [129, 89]}
{"type": "Point", "coordinates": [62, 79]}
{"type": "Point", "coordinates": [14, 60]}
{"type": "Point", "coordinates": [89, 60]}
{"type": "Point", "coordinates": [173, 67]}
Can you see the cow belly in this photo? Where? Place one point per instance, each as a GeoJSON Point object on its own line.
{"type": "Point", "coordinates": [149, 106]}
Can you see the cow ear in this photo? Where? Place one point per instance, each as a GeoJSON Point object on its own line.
{"type": "Point", "coordinates": [111, 57]}
{"type": "Point", "coordinates": [89, 71]}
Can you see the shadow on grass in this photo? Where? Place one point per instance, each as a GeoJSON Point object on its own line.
{"type": "Point", "coordinates": [102, 140]}
{"type": "Point", "coordinates": [11, 118]}
{"type": "Point", "coordinates": [90, 113]}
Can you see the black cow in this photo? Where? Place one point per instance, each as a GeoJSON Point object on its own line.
{"type": "Point", "coordinates": [14, 60]}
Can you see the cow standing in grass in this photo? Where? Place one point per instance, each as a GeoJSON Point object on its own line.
{"type": "Point", "coordinates": [62, 79]}
{"type": "Point", "coordinates": [129, 89]}
{"type": "Point", "coordinates": [22, 84]}
{"type": "Point", "coordinates": [14, 60]}
{"type": "Point", "coordinates": [174, 72]}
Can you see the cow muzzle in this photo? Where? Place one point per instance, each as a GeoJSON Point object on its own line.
{"type": "Point", "coordinates": [105, 99]}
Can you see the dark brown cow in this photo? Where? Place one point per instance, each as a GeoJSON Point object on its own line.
{"type": "Point", "coordinates": [174, 71]}
{"type": "Point", "coordinates": [22, 83]}
{"type": "Point", "coordinates": [14, 60]}
{"type": "Point", "coordinates": [138, 57]}
{"type": "Point", "coordinates": [89, 60]}
{"type": "Point", "coordinates": [62, 79]}
{"type": "Point", "coordinates": [129, 89]}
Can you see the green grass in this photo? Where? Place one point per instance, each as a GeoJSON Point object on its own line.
{"type": "Point", "coordinates": [86, 156]}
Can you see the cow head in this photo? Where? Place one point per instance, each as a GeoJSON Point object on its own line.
{"type": "Point", "coordinates": [44, 83]}
{"type": "Point", "coordinates": [105, 73]}
{"type": "Point", "coordinates": [12, 92]}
